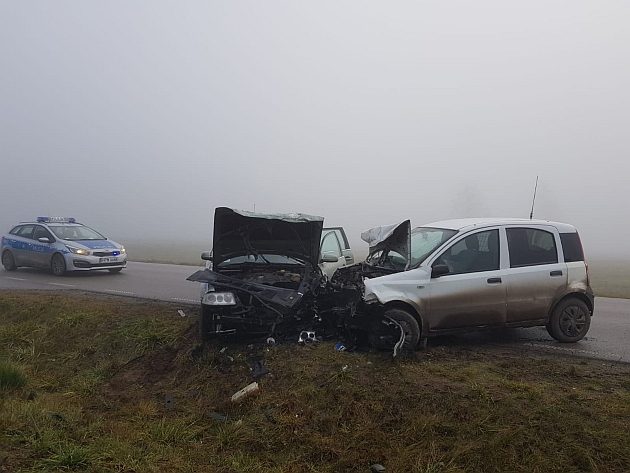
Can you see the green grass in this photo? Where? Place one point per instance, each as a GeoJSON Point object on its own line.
{"type": "Point", "coordinates": [10, 376]}
{"type": "Point", "coordinates": [121, 385]}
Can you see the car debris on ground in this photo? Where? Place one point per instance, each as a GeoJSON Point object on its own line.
{"type": "Point", "coordinates": [247, 391]}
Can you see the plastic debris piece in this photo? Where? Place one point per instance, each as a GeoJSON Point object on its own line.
{"type": "Point", "coordinates": [377, 468]}
{"type": "Point", "coordinates": [248, 390]}
{"type": "Point", "coordinates": [344, 368]}
{"type": "Point", "coordinates": [271, 341]}
{"type": "Point", "coordinates": [222, 350]}
{"type": "Point", "coordinates": [340, 346]}
{"type": "Point", "coordinates": [258, 369]}
{"type": "Point", "coordinates": [181, 313]}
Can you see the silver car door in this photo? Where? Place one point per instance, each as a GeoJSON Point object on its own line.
{"type": "Point", "coordinates": [330, 247]}
{"type": "Point", "coordinates": [472, 293]}
{"type": "Point", "coordinates": [537, 273]}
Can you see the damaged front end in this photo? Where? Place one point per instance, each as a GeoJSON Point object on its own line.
{"type": "Point", "coordinates": [265, 281]}
{"type": "Point", "coordinates": [264, 276]}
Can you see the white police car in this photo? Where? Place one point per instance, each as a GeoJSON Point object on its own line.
{"type": "Point", "coordinates": [60, 244]}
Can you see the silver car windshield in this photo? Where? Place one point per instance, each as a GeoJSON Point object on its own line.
{"type": "Point", "coordinates": [424, 241]}
{"type": "Point", "coordinates": [75, 232]}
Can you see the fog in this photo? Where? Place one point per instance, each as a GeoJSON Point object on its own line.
{"type": "Point", "coordinates": [140, 117]}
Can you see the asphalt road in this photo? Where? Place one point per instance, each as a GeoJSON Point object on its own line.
{"type": "Point", "coordinates": [607, 339]}
{"type": "Point", "coordinates": [165, 282]}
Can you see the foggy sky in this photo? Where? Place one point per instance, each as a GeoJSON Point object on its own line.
{"type": "Point", "coordinates": [140, 117]}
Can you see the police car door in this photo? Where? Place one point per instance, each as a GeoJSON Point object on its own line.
{"type": "Point", "coordinates": [21, 245]}
{"type": "Point", "coordinates": [42, 251]}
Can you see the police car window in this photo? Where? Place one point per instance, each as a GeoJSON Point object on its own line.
{"type": "Point", "coordinates": [25, 231]}
{"type": "Point", "coordinates": [14, 230]}
{"type": "Point", "coordinates": [41, 232]}
{"type": "Point", "coordinates": [75, 232]}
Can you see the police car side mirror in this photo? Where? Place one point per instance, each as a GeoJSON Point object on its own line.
{"type": "Point", "coordinates": [206, 256]}
{"type": "Point", "coordinates": [44, 240]}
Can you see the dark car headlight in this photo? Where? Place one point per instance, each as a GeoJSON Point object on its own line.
{"type": "Point", "coordinates": [218, 298]}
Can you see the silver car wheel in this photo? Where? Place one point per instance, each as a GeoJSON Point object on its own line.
{"type": "Point", "coordinates": [572, 321]}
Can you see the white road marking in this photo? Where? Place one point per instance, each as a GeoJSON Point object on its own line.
{"type": "Point", "coordinates": [119, 292]}
{"type": "Point", "coordinates": [60, 284]}
{"type": "Point", "coordinates": [184, 300]}
{"type": "Point", "coordinates": [16, 279]}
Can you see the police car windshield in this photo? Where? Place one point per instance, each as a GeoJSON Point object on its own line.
{"type": "Point", "coordinates": [75, 232]}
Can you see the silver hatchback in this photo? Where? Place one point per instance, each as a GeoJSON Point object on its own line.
{"type": "Point", "coordinates": [479, 273]}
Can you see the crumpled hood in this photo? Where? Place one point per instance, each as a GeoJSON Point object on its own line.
{"type": "Point", "coordinates": [238, 232]}
{"type": "Point", "coordinates": [395, 237]}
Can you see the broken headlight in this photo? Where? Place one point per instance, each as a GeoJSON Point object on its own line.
{"type": "Point", "coordinates": [218, 298]}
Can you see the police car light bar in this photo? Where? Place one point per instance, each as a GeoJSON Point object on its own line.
{"type": "Point", "coordinates": [56, 219]}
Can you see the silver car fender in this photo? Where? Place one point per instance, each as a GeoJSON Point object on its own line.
{"type": "Point", "coordinates": [407, 287]}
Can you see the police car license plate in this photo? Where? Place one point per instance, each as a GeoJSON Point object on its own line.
{"type": "Point", "coordinates": [108, 260]}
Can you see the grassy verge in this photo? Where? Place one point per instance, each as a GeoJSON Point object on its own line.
{"type": "Point", "coordinates": [120, 385]}
{"type": "Point", "coordinates": [610, 278]}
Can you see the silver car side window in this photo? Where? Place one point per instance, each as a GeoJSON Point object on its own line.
{"type": "Point", "coordinates": [475, 253]}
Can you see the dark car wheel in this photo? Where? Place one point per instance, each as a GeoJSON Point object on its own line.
{"type": "Point", "coordinates": [410, 326]}
{"type": "Point", "coordinates": [570, 320]}
{"type": "Point", "coordinates": [58, 265]}
{"type": "Point", "coordinates": [8, 261]}
{"type": "Point", "coordinates": [115, 270]}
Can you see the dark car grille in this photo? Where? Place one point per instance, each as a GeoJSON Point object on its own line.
{"type": "Point", "coordinates": [106, 253]}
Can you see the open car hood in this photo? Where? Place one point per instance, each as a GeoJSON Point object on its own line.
{"type": "Point", "coordinates": [395, 237]}
{"type": "Point", "coordinates": [238, 232]}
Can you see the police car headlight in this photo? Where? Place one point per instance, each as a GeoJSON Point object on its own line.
{"type": "Point", "coordinates": [78, 251]}
{"type": "Point", "coordinates": [122, 250]}
{"type": "Point", "coordinates": [218, 298]}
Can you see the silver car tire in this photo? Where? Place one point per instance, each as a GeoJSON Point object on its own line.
{"type": "Point", "coordinates": [8, 261]}
{"type": "Point", "coordinates": [570, 320]}
{"type": "Point", "coordinates": [410, 326]}
{"type": "Point", "coordinates": [58, 264]}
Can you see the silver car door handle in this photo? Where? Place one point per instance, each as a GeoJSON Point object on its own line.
{"type": "Point", "coordinates": [494, 281]}
{"type": "Point", "coordinates": [556, 273]}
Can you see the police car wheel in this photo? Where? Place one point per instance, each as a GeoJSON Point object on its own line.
{"type": "Point", "coordinates": [58, 265]}
{"type": "Point", "coordinates": [8, 261]}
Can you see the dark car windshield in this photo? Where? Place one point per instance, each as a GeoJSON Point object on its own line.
{"type": "Point", "coordinates": [75, 232]}
{"type": "Point", "coordinates": [260, 259]}
{"type": "Point", "coordinates": [424, 240]}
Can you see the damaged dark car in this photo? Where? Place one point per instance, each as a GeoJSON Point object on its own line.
{"type": "Point", "coordinates": [265, 280]}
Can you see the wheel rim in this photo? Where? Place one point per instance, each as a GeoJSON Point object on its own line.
{"type": "Point", "coordinates": [573, 321]}
{"type": "Point", "coordinates": [58, 265]}
{"type": "Point", "coordinates": [6, 260]}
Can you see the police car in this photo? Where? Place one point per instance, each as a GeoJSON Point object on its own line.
{"type": "Point", "coordinates": [60, 244]}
